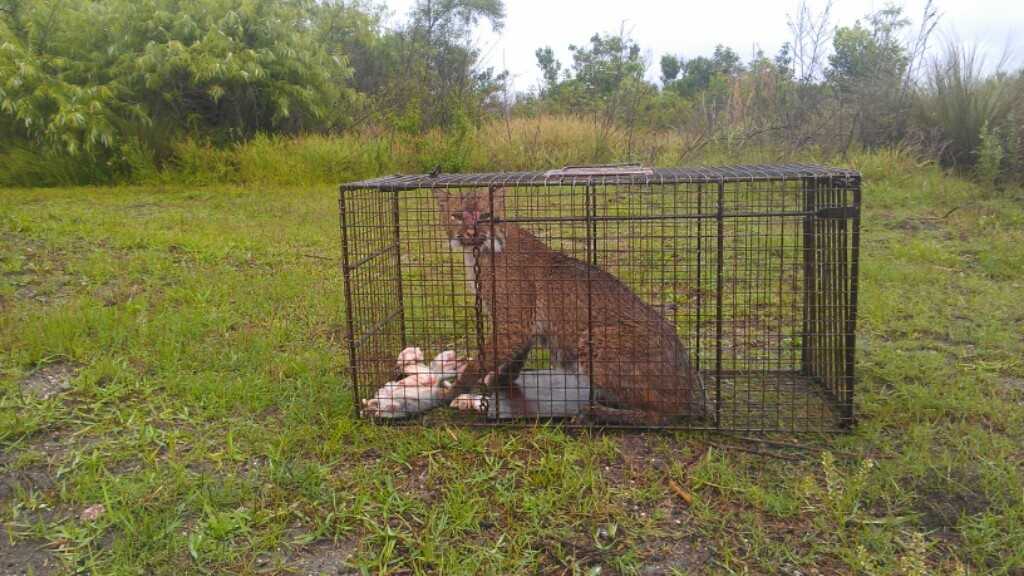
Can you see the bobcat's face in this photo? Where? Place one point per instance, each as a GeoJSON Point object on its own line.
{"type": "Point", "coordinates": [469, 218]}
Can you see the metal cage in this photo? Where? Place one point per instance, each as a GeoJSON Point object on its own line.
{"type": "Point", "coordinates": [754, 266]}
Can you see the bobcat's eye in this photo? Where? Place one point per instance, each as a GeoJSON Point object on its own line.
{"type": "Point", "coordinates": [456, 217]}
{"type": "Point", "coordinates": [485, 216]}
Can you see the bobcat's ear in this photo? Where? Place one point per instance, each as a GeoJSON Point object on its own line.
{"type": "Point", "coordinates": [497, 194]}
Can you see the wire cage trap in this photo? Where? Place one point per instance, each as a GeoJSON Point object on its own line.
{"type": "Point", "coordinates": [711, 298]}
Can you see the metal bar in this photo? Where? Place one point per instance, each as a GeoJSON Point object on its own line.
{"type": "Point", "coordinates": [347, 282]}
{"type": "Point", "coordinates": [660, 176]}
{"type": "Point", "coordinates": [591, 202]}
{"type": "Point", "coordinates": [607, 170]}
{"type": "Point", "coordinates": [376, 329]}
{"type": "Point", "coordinates": [395, 210]}
{"type": "Point", "coordinates": [719, 289]}
{"type": "Point", "coordinates": [806, 340]}
{"type": "Point", "coordinates": [837, 212]}
{"type": "Point", "coordinates": [643, 218]}
{"type": "Point", "coordinates": [494, 306]}
{"type": "Point", "coordinates": [851, 318]}
{"type": "Point", "coordinates": [842, 294]}
{"type": "Point", "coordinates": [568, 424]}
{"type": "Point", "coordinates": [828, 294]}
{"type": "Point", "coordinates": [700, 283]}
{"type": "Point", "coordinates": [375, 254]}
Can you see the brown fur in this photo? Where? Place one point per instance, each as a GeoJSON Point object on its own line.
{"type": "Point", "coordinates": [536, 295]}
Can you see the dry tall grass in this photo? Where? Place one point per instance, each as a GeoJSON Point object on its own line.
{"type": "Point", "coordinates": [516, 144]}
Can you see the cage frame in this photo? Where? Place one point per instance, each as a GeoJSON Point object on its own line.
{"type": "Point", "coordinates": [830, 215]}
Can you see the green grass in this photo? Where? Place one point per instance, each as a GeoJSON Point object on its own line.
{"type": "Point", "coordinates": [209, 412]}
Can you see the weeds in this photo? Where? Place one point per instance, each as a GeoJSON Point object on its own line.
{"type": "Point", "coordinates": [841, 496]}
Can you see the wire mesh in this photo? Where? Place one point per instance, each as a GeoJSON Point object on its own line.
{"type": "Point", "coordinates": [586, 285]}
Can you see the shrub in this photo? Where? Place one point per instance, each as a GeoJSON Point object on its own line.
{"type": "Point", "coordinates": [990, 156]}
{"type": "Point", "coordinates": [959, 101]}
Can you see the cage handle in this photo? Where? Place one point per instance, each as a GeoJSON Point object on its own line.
{"type": "Point", "coordinates": [621, 169]}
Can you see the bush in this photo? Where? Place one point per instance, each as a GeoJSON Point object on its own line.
{"type": "Point", "coordinates": [21, 165]}
{"type": "Point", "coordinates": [960, 101]}
{"type": "Point", "coordinates": [990, 156]}
{"type": "Point", "coordinates": [88, 77]}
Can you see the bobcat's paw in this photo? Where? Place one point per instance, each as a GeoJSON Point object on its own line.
{"type": "Point", "coordinates": [469, 403]}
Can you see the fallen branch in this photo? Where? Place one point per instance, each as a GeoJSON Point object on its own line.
{"type": "Point", "coordinates": [319, 257]}
{"type": "Point", "coordinates": [683, 494]}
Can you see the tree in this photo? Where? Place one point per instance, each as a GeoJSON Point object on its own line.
{"type": "Point", "coordinates": [600, 75]}
{"type": "Point", "coordinates": [867, 72]}
{"type": "Point", "coordinates": [549, 67]}
{"type": "Point", "coordinates": [602, 68]}
{"type": "Point", "coordinates": [726, 61]}
{"type": "Point", "coordinates": [671, 66]}
{"type": "Point", "coordinates": [437, 51]}
{"type": "Point", "coordinates": [783, 60]}
{"type": "Point", "coordinates": [604, 81]}
{"type": "Point", "coordinates": [690, 77]}
{"type": "Point", "coordinates": [352, 29]}
{"type": "Point", "coordinates": [84, 76]}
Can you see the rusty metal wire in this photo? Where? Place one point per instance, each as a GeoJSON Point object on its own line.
{"type": "Point", "coordinates": [603, 175]}
{"type": "Point", "coordinates": [755, 266]}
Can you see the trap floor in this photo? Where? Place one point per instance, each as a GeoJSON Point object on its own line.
{"type": "Point", "coordinates": [749, 401]}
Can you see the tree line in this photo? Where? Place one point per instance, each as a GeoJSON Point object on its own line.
{"type": "Point", "coordinates": [119, 82]}
{"type": "Point", "coordinates": [114, 77]}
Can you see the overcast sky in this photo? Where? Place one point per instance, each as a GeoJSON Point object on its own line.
{"type": "Point", "coordinates": [694, 28]}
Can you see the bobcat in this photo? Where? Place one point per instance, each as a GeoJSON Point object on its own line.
{"type": "Point", "coordinates": [538, 296]}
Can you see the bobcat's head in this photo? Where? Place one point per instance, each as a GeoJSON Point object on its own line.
{"type": "Point", "coordinates": [470, 216]}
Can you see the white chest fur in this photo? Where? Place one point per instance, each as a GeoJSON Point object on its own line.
{"type": "Point", "coordinates": [470, 260]}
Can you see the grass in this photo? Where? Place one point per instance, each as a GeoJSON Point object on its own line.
{"type": "Point", "coordinates": [208, 411]}
{"type": "Point", "coordinates": [519, 144]}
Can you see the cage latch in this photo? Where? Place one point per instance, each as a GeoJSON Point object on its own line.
{"type": "Point", "coordinates": [837, 212]}
{"type": "Point", "coordinates": [627, 169]}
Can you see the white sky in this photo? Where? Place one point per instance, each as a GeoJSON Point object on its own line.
{"type": "Point", "coordinates": [694, 28]}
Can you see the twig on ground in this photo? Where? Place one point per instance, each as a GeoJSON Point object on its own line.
{"type": "Point", "coordinates": [683, 494]}
{"type": "Point", "coordinates": [943, 217]}
{"type": "Point", "coordinates": [318, 257]}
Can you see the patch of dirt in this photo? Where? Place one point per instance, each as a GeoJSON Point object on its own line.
{"type": "Point", "coordinates": [676, 556]}
{"type": "Point", "coordinates": [1014, 387]}
{"type": "Point", "coordinates": [40, 273]}
{"type": "Point", "coordinates": [49, 450]}
{"type": "Point", "coordinates": [943, 499]}
{"type": "Point", "coordinates": [635, 456]}
{"type": "Point", "coordinates": [36, 478]}
{"type": "Point", "coordinates": [323, 558]}
{"type": "Point", "coordinates": [26, 557]}
{"type": "Point", "coordinates": [114, 294]}
{"type": "Point", "coordinates": [643, 453]}
{"type": "Point", "coordinates": [49, 380]}
{"type": "Point", "coordinates": [415, 482]}
{"type": "Point", "coordinates": [642, 457]}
